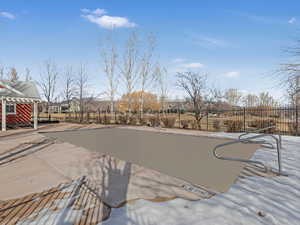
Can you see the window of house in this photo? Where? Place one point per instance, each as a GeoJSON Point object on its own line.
{"type": "Point", "coordinates": [11, 108]}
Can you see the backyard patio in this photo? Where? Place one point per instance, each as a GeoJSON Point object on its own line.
{"type": "Point", "coordinates": [47, 180]}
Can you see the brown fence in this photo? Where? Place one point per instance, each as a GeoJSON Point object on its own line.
{"type": "Point", "coordinates": [286, 119]}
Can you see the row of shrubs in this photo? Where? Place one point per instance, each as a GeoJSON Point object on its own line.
{"type": "Point", "coordinates": [238, 125]}
{"type": "Point", "coordinates": [294, 128]}
{"type": "Point", "coordinates": [170, 122]}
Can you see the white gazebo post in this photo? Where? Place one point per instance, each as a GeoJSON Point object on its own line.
{"type": "Point", "coordinates": [3, 114]}
{"type": "Point", "coordinates": [35, 115]}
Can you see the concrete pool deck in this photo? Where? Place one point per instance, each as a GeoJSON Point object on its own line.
{"type": "Point", "coordinates": [37, 169]}
{"type": "Point", "coordinates": [135, 194]}
{"type": "Point", "coordinates": [31, 163]}
{"type": "Point", "coordinates": [187, 157]}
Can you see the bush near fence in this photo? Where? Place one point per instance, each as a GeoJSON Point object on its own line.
{"type": "Point", "coordinates": [122, 119]}
{"type": "Point", "coordinates": [217, 124]}
{"type": "Point", "coordinates": [105, 119]}
{"type": "Point", "coordinates": [154, 121]}
{"type": "Point", "coordinates": [144, 122]}
{"type": "Point", "coordinates": [168, 122]}
{"type": "Point", "coordinates": [294, 128]}
{"type": "Point", "coordinates": [259, 124]}
{"type": "Point", "coordinates": [133, 120]}
{"type": "Point", "coordinates": [234, 125]}
{"type": "Point", "coordinates": [184, 124]}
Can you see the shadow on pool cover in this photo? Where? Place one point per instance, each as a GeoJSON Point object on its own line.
{"type": "Point", "coordinates": [183, 156]}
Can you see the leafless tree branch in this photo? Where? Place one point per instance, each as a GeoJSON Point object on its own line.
{"type": "Point", "coordinates": [195, 85]}
{"type": "Point", "coordinates": [129, 66]}
{"type": "Point", "coordinates": [48, 79]}
{"type": "Point", "coordinates": [109, 56]}
{"type": "Point", "coordinates": [146, 67]}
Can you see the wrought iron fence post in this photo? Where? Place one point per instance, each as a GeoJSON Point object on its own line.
{"type": "Point", "coordinates": [244, 119]}
{"type": "Point", "coordinates": [179, 118]}
{"type": "Point", "coordinates": [297, 125]}
{"type": "Point", "coordinates": [207, 119]}
{"type": "Point", "coordinates": [261, 117]}
{"type": "Point", "coordinates": [140, 116]}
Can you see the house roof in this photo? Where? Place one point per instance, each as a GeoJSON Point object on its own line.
{"type": "Point", "coordinates": [19, 89]}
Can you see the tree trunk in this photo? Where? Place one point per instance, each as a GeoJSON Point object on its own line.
{"type": "Point", "coordinates": [142, 105]}
{"type": "Point", "coordinates": [112, 105]}
{"type": "Point", "coordinates": [129, 104]}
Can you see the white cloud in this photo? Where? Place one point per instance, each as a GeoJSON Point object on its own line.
{"type": "Point", "coordinates": [95, 12]}
{"type": "Point", "coordinates": [178, 60]}
{"type": "Point", "coordinates": [232, 74]}
{"type": "Point", "coordinates": [99, 11]}
{"type": "Point", "coordinates": [7, 15]}
{"type": "Point", "coordinates": [263, 19]}
{"type": "Point", "coordinates": [207, 41]}
{"type": "Point", "coordinates": [84, 10]}
{"type": "Point", "coordinates": [292, 20]}
{"type": "Point", "coordinates": [177, 65]}
{"type": "Point", "coordinates": [194, 65]}
{"type": "Point", "coordinates": [211, 41]}
{"type": "Point", "coordinates": [98, 17]}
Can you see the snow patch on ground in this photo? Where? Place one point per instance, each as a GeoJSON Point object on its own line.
{"type": "Point", "coordinates": [254, 200]}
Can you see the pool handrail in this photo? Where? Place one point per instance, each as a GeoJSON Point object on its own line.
{"type": "Point", "coordinates": [249, 140]}
{"type": "Point", "coordinates": [263, 141]}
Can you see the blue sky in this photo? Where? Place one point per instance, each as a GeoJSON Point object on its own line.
{"type": "Point", "coordinates": [239, 43]}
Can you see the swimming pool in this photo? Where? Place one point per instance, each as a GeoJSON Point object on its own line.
{"type": "Point", "coordinates": [188, 157]}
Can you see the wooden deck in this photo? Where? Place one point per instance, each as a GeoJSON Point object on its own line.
{"type": "Point", "coordinates": [74, 202]}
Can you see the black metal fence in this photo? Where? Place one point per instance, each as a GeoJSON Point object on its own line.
{"type": "Point", "coordinates": [286, 119]}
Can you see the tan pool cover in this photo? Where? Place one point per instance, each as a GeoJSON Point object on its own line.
{"type": "Point", "coordinates": [184, 156]}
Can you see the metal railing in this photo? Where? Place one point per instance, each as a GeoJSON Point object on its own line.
{"type": "Point", "coordinates": [263, 142]}
{"type": "Point", "coordinates": [249, 140]}
{"type": "Point", "coordinates": [236, 119]}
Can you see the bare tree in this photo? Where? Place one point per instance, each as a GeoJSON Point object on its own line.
{"type": "Point", "coordinates": [297, 90]}
{"type": "Point", "coordinates": [265, 99]}
{"type": "Point", "coordinates": [214, 98]}
{"type": "Point", "coordinates": [233, 96]}
{"type": "Point", "coordinates": [27, 75]}
{"type": "Point", "coordinates": [216, 94]}
{"type": "Point", "coordinates": [13, 74]}
{"type": "Point", "coordinates": [160, 75]}
{"type": "Point", "coordinates": [2, 72]}
{"type": "Point", "coordinates": [289, 73]}
{"type": "Point", "coordinates": [250, 100]}
{"type": "Point", "coordinates": [146, 74]}
{"type": "Point", "coordinates": [109, 56]}
{"type": "Point", "coordinates": [293, 91]}
{"type": "Point", "coordinates": [69, 85]}
{"type": "Point", "coordinates": [290, 70]}
{"type": "Point", "coordinates": [48, 79]}
{"type": "Point", "coordinates": [82, 89]}
{"type": "Point", "coordinates": [129, 66]}
{"type": "Point", "coordinates": [195, 86]}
